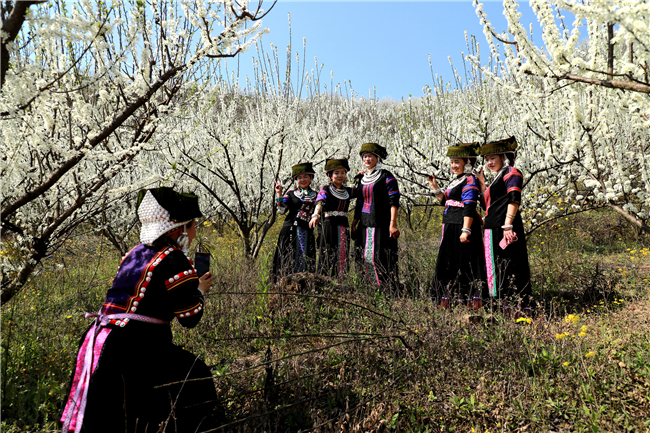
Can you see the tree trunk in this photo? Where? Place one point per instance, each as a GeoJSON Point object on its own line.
{"type": "Point", "coordinates": [638, 223]}
{"type": "Point", "coordinates": [12, 26]}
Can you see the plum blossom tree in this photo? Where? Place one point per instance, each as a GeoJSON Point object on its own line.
{"type": "Point", "coordinates": [85, 88]}
{"type": "Point", "coordinates": [584, 95]}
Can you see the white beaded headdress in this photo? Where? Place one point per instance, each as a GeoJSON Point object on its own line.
{"type": "Point", "coordinates": [155, 220]}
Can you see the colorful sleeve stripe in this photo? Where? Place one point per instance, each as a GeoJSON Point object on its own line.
{"type": "Point", "coordinates": [513, 180]}
{"type": "Point", "coordinates": [391, 185]}
{"type": "Point", "coordinates": [469, 195]}
{"type": "Point", "coordinates": [322, 195]}
{"type": "Point", "coordinates": [180, 279]}
{"type": "Point", "coordinates": [512, 173]}
{"type": "Point", "coordinates": [190, 311]}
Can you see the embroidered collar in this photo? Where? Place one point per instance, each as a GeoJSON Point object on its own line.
{"type": "Point", "coordinates": [457, 182]}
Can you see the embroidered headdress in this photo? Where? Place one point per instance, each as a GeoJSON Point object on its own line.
{"type": "Point", "coordinates": [507, 145]}
{"type": "Point", "coordinates": [161, 210]}
{"type": "Point", "coordinates": [302, 168]}
{"type": "Point", "coordinates": [464, 150]}
{"type": "Point", "coordinates": [333, 164]}
{"type": "Point", "coordinates": [375, 149]}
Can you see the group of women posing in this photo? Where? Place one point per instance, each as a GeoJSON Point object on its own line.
{"type": "Point", "coordinates": [374, 226]}
{"type": "Point", "coordinates": [477, 260]}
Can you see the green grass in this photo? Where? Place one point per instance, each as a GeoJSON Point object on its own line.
{"type": "Point", "coordinates": [329, 356]}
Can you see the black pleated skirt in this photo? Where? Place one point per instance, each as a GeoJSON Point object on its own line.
{"type": "Point", "coordinates": [140, 382]}
{"type": "Point", "coordinates": [377, 256]}
{"type": "Point", "coordinates": [295, 252]}
{"type": "Point", "coordinates": [460, 269]}
{"type": "Point", "coordinates": [508, 270]}
{"type": "Point", "coordinates": [334, 250]}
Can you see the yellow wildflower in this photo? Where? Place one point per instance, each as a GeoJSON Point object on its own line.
{"type": "Point", "coordinates": [572, 318]}
{"type": "Point", "coordinates": [566, 364]}
{"type": "Point", "coordinates": [560, 336]}
{"type": "Point", "coordinates": [524, 319]}
{"type": "Point", "coordinates": [588, 354]}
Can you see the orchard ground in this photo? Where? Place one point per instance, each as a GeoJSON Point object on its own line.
{"type": "Point", "coordinates": [316, 356]}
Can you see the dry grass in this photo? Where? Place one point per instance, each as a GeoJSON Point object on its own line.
{"type": "Point", "coordinates": [311, 355]}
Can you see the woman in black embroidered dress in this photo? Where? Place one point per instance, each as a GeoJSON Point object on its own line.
{"type": "Point", "coordinates": [375, 220]}
{"type": "Point", "coordinates": [460, 268]}
{"type": "Point", "coordinates": [296, 248]}
{"type": "Point", "coordinates": [332, 203]}
{"type": "Point", "coordinates": [129, 375]}
{"type": "Point", "coordinates": [506, 255]}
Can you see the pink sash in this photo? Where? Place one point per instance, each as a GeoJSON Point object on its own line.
{"type": "Point", "coordinates": [73, 414]}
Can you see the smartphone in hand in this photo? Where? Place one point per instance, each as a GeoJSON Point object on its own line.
{"type": "Point", "coordinates": [201, 263]}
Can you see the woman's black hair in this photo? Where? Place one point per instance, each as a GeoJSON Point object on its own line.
{"type": "Point", "coordinates": [511, 157]}
{"type": "Point", "coordinates": [467, 159]}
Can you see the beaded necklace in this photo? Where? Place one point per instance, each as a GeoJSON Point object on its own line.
{"type": "Point", "coordinates": [369, 178]}
{"type": "Point", "coordinates": [300, 193]}
{"type": "Point", "coordinates": [341, 194]}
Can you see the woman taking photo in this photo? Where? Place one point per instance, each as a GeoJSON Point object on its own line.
{"type": "Point", "coordinates": [129, 375]}
{"type": "Point", "coordinates": [375, 219]}
{"type": "Point", "coordinates": [460, 268]}
{"type": "Point", "coordinates": [296, 249]}
{"type": "Point", "coordinates": [332, 206]}
{"type": "Point", "coordinates": [506, 255]}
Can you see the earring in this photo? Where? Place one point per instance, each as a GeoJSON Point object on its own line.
{"type": "Point", "coordinates": [183, 241]}
{"type": "Point", "coordinates": [468, 168]}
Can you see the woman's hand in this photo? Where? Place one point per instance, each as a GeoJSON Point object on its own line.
{"type": "Point", "coordinates": [278, 188]}
{"type": "Point", "coordinates": [394, 231]}
{"type": "Point", "coordinates": [480, 179]}
{"type": "Point", "coordinates": [313, 222]}
{"type": "Point", "coordinates": [432, 181]}
{"type": "Point", "coordinates": [205, 282]}
{"type": "Point", "coordinates": [464, 238]}
{"type": "Point", "coordinates": [510, 236]}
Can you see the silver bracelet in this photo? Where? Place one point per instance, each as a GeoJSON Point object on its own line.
{"type": "Point", "coordinates": [437, 191]}
{"type": "Point", "coordinates": [315, 215]}
{"type": "Point", "coordinates": [508, 227]}
{"type": "Point", "coordinates": [466, 230]}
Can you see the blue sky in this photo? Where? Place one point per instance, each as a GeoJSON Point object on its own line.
{"type": "Point", "coordinates": [380, 44]}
